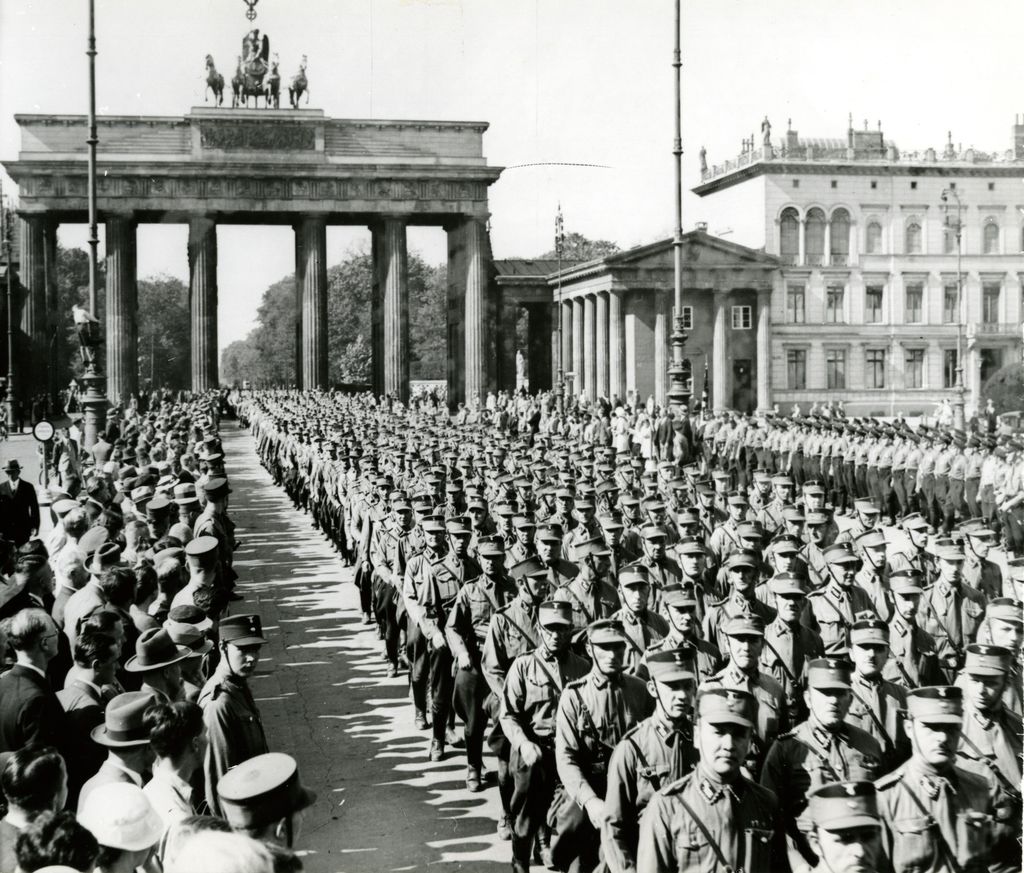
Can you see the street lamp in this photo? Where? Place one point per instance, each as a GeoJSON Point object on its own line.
{"type": "Point", "coordinates": [678, 392]}
{"type": "Point", "coordinates": [959, 417]}
{"type": "Point", "coordinates": [560, 376]}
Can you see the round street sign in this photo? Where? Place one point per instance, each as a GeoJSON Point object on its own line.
{"type": "Point", "coordinates": [43, 431]}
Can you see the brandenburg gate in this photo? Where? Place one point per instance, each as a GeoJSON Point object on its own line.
{"type": "Point", "coordinates": [295, 167]}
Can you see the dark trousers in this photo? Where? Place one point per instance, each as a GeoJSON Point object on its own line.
{"type": "Point", "coordinates": [364, 581]}
{"type": "Point", "coordinates": [951, 507]}
{"type": "Point", "coordinates": [927, 507]}
{"type": "Point", "coordinates": [576, 844]}
{"type": "Point", "coordinates": [441, 684]}
{"type": "Point", "coordinates": [533, 788]}
{"type": "Point", "coordinates": [419, 666]}
{"type": "Point", "coordinates": [471, 690]}
{"type": "Point", "coordinates": [971, 496]}
{"type": "Point", "coordinates": [910, 488]}
{"type": "Point", "coordinates": [860, 473]}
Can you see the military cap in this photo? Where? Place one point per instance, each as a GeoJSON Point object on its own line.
{"type": "Point", "coordinates": [840, 553]}
{"type": "Point", "coordinates": [433, 525]}
{"type": "Point", "coordinates": [840, 806]}
{"type": "Point", "coordinates": [491, 548]}
{"type": "Point", "coordinates": [606, 487]}
{"type": "Point", "coordinates": [422, 503]}
{"type": "Point", "coordinates": [750, 530]}
{"type": "Point", "coordinates": [720, 475]}
{"type": "Point", "coordinates": [727, 706]}
{"type": "Point", "coordinates": [871, 539]}
{"type": "Point", "coordinates": [551, 532]}
{"type": "Point", "coordinates": [1005, 609]}
{"type": "Point", "coordinates": [825, 673]}
{"type": "Point", "coordinates": [793, 514]}
{"type": "Point", "coordinates": [744, 626]}
{"type": "Point", "coordinates": [242, 630]}
{"type": "Point", "coordinates": [782, 479]}
{"type": "Point", "coordinates": [672, 665]}
{"type": "Point", "coordinates": [981, 533]}
{"type": "Point", "coordinates": [201, 548]}
{"type": "Point", "coordinates": [688, 515]}
{"type": "Point", "coordinates": [532, 566]}
{"type": "Point", "coordinates": [690, 546]}
{"type": "Point", "coordinates": [634, 574]}
{"type": "Point", "coordinates": [583, 504]}
{"type": "Point", "coordinates": [814, 486]}
{"type": "Point", "coordinates": [610, 522]}
{"type": "Point", "coordinates": [401, 505]}
{"type": "Point", "coordinates": [915, 521]}
{"type": "Point", "coordinates": [677, 484]}
{"type": "Point", "coordinates": [606, 632]}
{"type": "Point", "coordinates": [555, 613]}
{"type": "Point", "coordinates": [949, 552]}
{"type": "Point", "coordinates": [787, 544]}
{"type": "Point", "coordinates": [815, 517]}
{"type": "Point", "coordinates": [936, 704]}
{"type": "Point", "coordinates": [263, 790]}
{"type": "Point", "coordinates": [630, 500]}
{"type": "Point", "coordinates": [159, 505]}
{"type": "Point", "coordinates": [762, 476]}
{"type": "Point", "coordinates": [987, 660]}
{"type": "Point", "coordinates": [653, 504]}
{"type": "Point", "coordinates": [458, 527]}
{"type": "Point", "coordinates": [565, 493]}
{"type": "Point", "coordinates": [453, 488]}
{"type": "Point", "coordinates": [737, 499]}
{"type": "Point", "coordinates": [591, 548]}
{"type": "Point", "coordinates": [704, 487]}
{"type": "Point", "coordinates": [869, 632]}
{"type": "Point", "coordinates": [866, 507]}
{"type": "Point", "coordinates": [652, 532]}
{"type": "Point", "coordinates": [216, 488]}
{"type": "Point", "coordinates": [680, 596]}
{"type": "Point", "coordinates": [787, 585]}
{"type": "Point", "coordinates": [742, 558]}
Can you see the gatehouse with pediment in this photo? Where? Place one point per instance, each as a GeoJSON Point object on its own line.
{"type": "Point", "coordinates": [295, 167]}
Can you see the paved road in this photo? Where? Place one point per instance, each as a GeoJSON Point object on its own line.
{"type": "Point", "coordinates": [325, 699]}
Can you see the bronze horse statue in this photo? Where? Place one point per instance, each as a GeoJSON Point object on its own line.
{"type": "Point", "coordinates": [251, 70]}
{"type": "Point", "coordinates": [273, 86]}
{"type": "Point", "coordinates": [214, 82]}
{"type": "Point", "coordinates": [299, 85]}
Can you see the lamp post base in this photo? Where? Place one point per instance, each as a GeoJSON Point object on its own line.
{"type": "Point", "coordinates": [678, 394]}
{"type": "Point", "coordinates": [94, 404]}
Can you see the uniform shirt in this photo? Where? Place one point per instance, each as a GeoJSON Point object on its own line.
{"type": "Point", "coordinates": [641, 629]}
{"type": "Point", "coordinates": [875, 586]}
{"type": "Point", "coordinates": [649, 757]}
{"type": "Point", "coordinates": [233, 725]}
{"type": "Point", "coordinates": [513, 631]}
{"type": "Point", "coordinates": [786, 650]}
{"type": "Point", "coordinates": [708, 658]}
{"type": "Point", "coordinates": [772, 717]}
{"type": "Point", "coordinates": [741, 817]}
{"type": "Point", "coordinates": [951, 616]}
{"type": "Point", "coordinates": [834, 608]}
{"type": "Point", "coordinates": [991, 746]}
{"type": "Point", "coordinates": [984, 576]}
{"type": "Point", "coordinates": [724, 541]}
{"type": "Point", "coordinates": [731, 607]}
{"type": "Point", "coordinates": [531, 693]}
{"type": "Point", "coordinates": [912, 657]}
{"type": "Point", "coordinates": [594, 713]}
{"type": "Point", "coordinates": [877, 709]}
{"type": "Point", "coordinates": [470, 617]}
{"type": "Point", "coordinates": [589, 598]}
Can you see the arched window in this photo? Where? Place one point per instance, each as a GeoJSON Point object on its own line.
{"type": "Point", "coordinates": [814, 236]}
{"type": "Point", "coordinates": [839, 240]}
{"type": "Point", "coordinates": [990, 238]}
{"type": "Point", "coordinates": [789, 236]}
{"type": "Point", "coordinates": [913, 238]}
{"type": "Point", "coordinates": [873, 238]}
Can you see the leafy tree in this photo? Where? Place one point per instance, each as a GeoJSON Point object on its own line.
{"type": "Point", "coordinates": [355, 363]}
{"type": "Point", "coordinates": [164, 333]}
{"type": "Point", "coordinates": [577, 247]}
{"type": "Point", "coordinates": [1005, 388]}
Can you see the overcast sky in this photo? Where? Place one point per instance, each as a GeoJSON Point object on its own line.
{"type": "Point", "coordinates": [560, 81]}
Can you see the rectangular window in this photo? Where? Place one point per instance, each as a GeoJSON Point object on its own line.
{"type": "Point", "coordinates": [796, 369]}
{"type": "Point", "coordinates": [949, 368]}
{"type": "Point", "coordinates": [741, 318]}
{"type": "Point", "coordinates": [990, 304]}
{"type": "Point", "coordinates": [835, 369]}
{"type": "Point", "coordinates": [687, 318]}
{"type": "Point", "coordinates": [950, 304]}
{"type": "Point", "coordinates": [795, 304]}
{"type": "Point", "coordinates": [835, 312]}
{"type": "Point", "coordinates": [913, 375]}
{"type": "Point", "coordinates": [873, 298]}
{"type": "Point", "coordinates": [874, 363]}
{"type": "Point", "coordinates": [915, 304]}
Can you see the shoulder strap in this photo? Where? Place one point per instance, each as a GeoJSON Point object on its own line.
{"type": "Point", "coordinates": [874, 717]}
{"type": "Point", "coordinates": [943, 844]}
{"type": "Point", "coordinates": [588, 718]}
{"type": "Point", "coordinates": [1000, 776]}
{"type": "Point", "coordinates": [543, 669]}
{"type": "Point", "coordinates": [517, 626]}
{"type": "Point", "coordinates": [785, 667]}
{"type": "Point", "coordinates": [652, 777]}
{"type": "Point", "coordinates": [820, 756]}
{"type": "Point", "coordinates": [707, 834]}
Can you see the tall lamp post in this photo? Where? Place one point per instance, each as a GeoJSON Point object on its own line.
{"type": "Point", "coordinates": [560, 376]}
{"type": "Point", "coordinates": [678, 391]}
{"type": "Point", "coordinates": [959, 416]}
{"type": "Point", "coordinates": [93, 400]}
{"type": "Point", "coordinates": [7, 235]}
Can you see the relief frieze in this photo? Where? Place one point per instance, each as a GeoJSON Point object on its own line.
{"type": "Point", "coordinates": [257, 137]}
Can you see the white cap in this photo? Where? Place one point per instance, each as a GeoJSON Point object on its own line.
{"type": "Point", "coordinates": [120, 816]}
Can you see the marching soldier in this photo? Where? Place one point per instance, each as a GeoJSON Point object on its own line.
{"type": "Point", "coordinates": [979, 572]}
{"type": "Point", "coordinates": [594, 714]}
{"type": "Point", "coordinates": [950, 612]}
{"type": "Point", "coordinates": [845, 828]}
{"type": "Point", "coordinates": [660, 568]}
{"type": "Point", "coordinates": [590, 595]}
{"type": "Point", "coordinates": [913, 556]}
{"type": "Point", "coordinates": [726, 538]}
{"type": "Point", "coordinates": [837, 605]}
{"type": "Point", "coordinates": [715, 818]}
{"type": "Point", "coordinates": [529, 703]}
{"type": "Point", "coordinates": [913, 660]}
{"type": "Point", "coordinates": [642, 626]}
{"type": "Point", "coordinates": [871, 575]}
{"type": "Point", "coordinates": [549, 549]}
{"type": "Point", "coordinates": [741, 569]}
{"type": "Point", "coordinates": [680, 603]}
{"type": "Point", "coordinates": [655, 753]}
{"type": "Point", "coordinates": [1004, 626]}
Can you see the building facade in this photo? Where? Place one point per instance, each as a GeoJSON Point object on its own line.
{"type": "Point", "coordinates": [869, 301]}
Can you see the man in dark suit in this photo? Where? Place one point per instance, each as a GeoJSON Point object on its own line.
{"type": "Point", "coordinates": [19, 509]}
{"type": "Point", "coordinates": [29, 709]}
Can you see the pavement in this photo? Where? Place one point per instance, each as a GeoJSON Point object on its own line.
{"type": "Point", "coordinates": [322, 691]}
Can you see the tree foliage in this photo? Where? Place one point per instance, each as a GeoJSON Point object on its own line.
{"type": "Point", "coordinates": [1005, 388]}
{"type": "Point", "coordinates": [164, 333]}
{"type": "Point", "coordinates": [577, 247]}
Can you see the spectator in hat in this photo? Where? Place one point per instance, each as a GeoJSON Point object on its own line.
{"type": "Point", "coordinates": [19, 507]}
{"type": "Point", "coordinates": [143, 598]}
{"type": "Point", "coordinates": [178, 738]}
{"type": "Point", "coordinates": [91, 596]}
{"type": "Point", "coordinates": [187, 626]}
{"type": "Point", "coordinates": [125, 737]}
{"type": "Point", "coordinates": [125, 825]}
{"type": "Point", "coordinates": [69, 561]}
{"type": "Point", "coordinates": [29, 709]}
{"type": "Point", "coordinates": [157, 662]}
{"type": "Point", "coordinates": [232, 719]}
{"type": "Point", "coordinates": [211, 851]}
{"type": "Point", "coordinates": [33, 580]}
{"type": "Point", "coordinates": [34, 781]}
{"type": "Point", "coordinates": [56, 842]}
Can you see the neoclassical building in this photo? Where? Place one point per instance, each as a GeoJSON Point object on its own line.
{"type": "Point", "coordinates": [867, 304]}
{"type": "Point", "coordinates": [609, 320]}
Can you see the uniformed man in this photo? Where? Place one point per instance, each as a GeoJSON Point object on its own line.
{"type": "Point", "coordinates": [594, 714]}
{"type": "Point", "coordinates": [845, 828]}
{"type": "Point", "coordinates": [696, 574]}
{"type": "Point", "coordinates": [878, 705]}
{"type": "Point", "coordinates": [233, 723]}
{"type": "Point", "coordinates": [741, 570]}
{"type": "Point", "coordinates": [662, 570]}
{"type": "Point", "coordinates": [813, 554]}
{"type": "Point", "coordinates": [913, 555]}
{"type": "Point", "coordinates": [726, 539]}
{"type": "Point", "coordinates": [871, 577]}
{"type": "Point", "coordinates": [529, 702]}
{"type": "Point", "coordinates": [979, 572]}
{"type": "Point", "coordinates": [523, 546]}
{"type": "Point", "coordinates": [681, 603]}
{"type": "Point", "coordinates": [950, 612]}
{"type": "Point", "coordinates": [714, 818]}
{"type": "Point", "coordinates": [1004, 626]}
{"type": "Point", "coordinates": [817, 751]}
{"type": "Point", "coordinates": [641, 624]}
{"type": "Point", "coordinates": [866, 518]}
{"type": "Point", "coordinates": [834, 607]}
{"type": "Point", "coordinates": [658, 751]}
{"type": "Point", "coordinates": [788, 643]}
{"type": "Point", "coordinates": [937, 815]}
{"type": "Point", "coordinates": [549, 549]}
{"type": "Point", "coordinates": [592, 594]}
{"type": "Point", "coordinates": [782, 495]}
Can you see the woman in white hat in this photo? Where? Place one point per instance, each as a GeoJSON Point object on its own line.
{"type": "Point", "coordinates": [125, 825]}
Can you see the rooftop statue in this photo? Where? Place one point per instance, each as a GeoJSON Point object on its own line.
{"type": "Point", "coordinates": [252, 68]}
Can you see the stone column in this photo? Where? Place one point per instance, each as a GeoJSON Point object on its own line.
{"type": "Point", "coordinates": [538, 359]}
{"type": "Point", "coordinates": [601, 344]}
{"type": "Point", "coordinates": [589, 356]}
{"type": "Point", "coordinates": [567, 335]}
{"type": "Point", "coordinates": [391, 267]}
{"type": "Point", "coordinates": [30, 337]}
{"type": "Point", "coordinates": [616, 346]}
{"type": "Point", "coordinates": [313, 270]}
{"type": "Point", "coordinates": [299, 260]}
{"type": "Point", "coordinates": [577, 347]}
{"type": "Point", "coordinates": [202, 295]}
{"type": "Point", "coordinates": [720, 355]}
{"type": "Point", "coordinates": [801, 244]}
{"type": "Point", "coordinates": [376, 316]}
{"type": "Point", "coordinates": [660, 347]}
{"type": "Point", "coordinates": [122, 328]}
{"type": "Point", "coordinates": [468, 258]}
{"type": "Point", "coordinates": [764, 350]}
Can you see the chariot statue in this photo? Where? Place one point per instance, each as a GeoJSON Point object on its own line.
{"type": "Point", "coordinates": [253, 65]}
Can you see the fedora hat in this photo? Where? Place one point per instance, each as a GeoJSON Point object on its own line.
{"type": "Point", "coordinates": [155, 649]}
{"type": "Point", "coordinates": [106, 556]}
{"type": "Point", "coordinates": [123, 724]}
{"type": "Point", "coordinates": [12, 466]}
{"type": "Point", "coordinates": [188, 635]}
